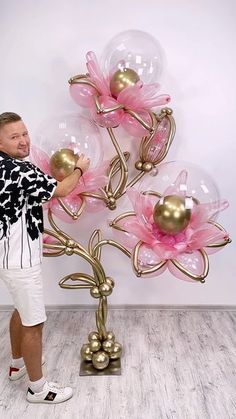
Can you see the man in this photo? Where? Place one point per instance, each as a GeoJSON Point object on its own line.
{"type": "Point", "coordinates": [23, 187]}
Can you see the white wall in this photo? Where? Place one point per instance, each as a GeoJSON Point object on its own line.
{"type": "Point", "coordinates": [43, 43]}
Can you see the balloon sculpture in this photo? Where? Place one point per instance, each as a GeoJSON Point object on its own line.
{"type": "Point", "coordinates": [170, 228]}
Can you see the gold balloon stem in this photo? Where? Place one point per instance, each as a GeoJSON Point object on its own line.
{"type": "Point", "coordinates": [133, 181]}
{"type": "Point", "coordinates": [66, 245]}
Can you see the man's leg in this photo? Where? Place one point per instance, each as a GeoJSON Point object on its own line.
{"type": "Point", "coordinates": [26, 342]}
{"type": "Point", "coordinates": [16, 335]}
{"type": "Point", "coordinates": [31, 346]}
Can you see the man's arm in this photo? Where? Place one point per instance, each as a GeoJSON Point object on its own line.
{"type": "Point", "coordinates": [68, 184]}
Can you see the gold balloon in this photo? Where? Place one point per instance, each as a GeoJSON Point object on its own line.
{"type": "Point", "coordinates": [93, 336]}
{"type": "Point", "coordinates": [86, 353]}
{"type": "Point", "coordinates": [171, 215]}
{"type": "Point", "coordinates": [100, 360]}
{"type": "Point", "coordinates": [110, 335]}
{"type": "Point", "coordinates": [108, 346]}
{"type": "Point", "coordinates": [62, 163]}
{"type": "Point", "coordinates": [110, 281]}
{"type": "Point", "coordinates": [105, 289]}
{"type": "Point", "coordinates": [117, 349]}
{"type": "Point", "coordinates": [122, 79]}
{"type": "Point", "coordinates": [95, 345]}
{"type": "Point", "coordinates": [95, 293]}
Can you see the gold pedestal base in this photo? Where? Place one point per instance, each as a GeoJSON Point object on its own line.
{"type": "Point", "coordinates": [87, 368]}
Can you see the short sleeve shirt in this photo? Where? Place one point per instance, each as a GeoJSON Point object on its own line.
{"type": "Point", "coordinates": [23, 189]}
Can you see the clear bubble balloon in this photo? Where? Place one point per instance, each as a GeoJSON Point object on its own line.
{"type": "Point", "coordinates": [72, 131]}
{"type": "Point", "coordinates": [197, 184]}
{"type": "Point", "coordinates": [136, 50]}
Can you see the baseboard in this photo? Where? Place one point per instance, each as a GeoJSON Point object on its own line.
{"type": "Point", "coordinates": [86, 307]}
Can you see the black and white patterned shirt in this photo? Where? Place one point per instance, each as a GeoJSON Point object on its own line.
{"type": "Point", "coordinates": [23, 187]}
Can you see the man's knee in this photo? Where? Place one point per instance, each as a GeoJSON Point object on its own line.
{"type": "Point", "coordinates": [34, 331]}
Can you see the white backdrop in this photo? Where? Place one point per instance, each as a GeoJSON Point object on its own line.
{"type": "Point", "coordinates": [44, 43]}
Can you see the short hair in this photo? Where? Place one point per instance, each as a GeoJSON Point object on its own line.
{"type": "Point", "coordinates": [8, 117]}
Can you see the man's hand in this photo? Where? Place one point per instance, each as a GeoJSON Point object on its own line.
{"type": "Point", "coordinates": [67, 185]}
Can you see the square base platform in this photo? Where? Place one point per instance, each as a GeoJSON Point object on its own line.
{"type": "Point", "coordinates": [87, 368]}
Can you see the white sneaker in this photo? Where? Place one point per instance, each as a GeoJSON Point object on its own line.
{"type": "Point", "coordinates": [50, 394]}
{"type": "Point", "coordinates": [16, 373]}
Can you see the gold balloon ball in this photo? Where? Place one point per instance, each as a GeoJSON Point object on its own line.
{"type": "Point", "coordinates": [95, 293]}
{"type": "Point", "coordinates": [62, 163]}
{"type": "Point", "coordinates": [105, 289]}
{"type": "Point", "coordinates": [110, 281]}
{"type": "Point", "coordinates": [121, 79]}
{"type": "Point", "coordinates": [86, 353]}
{"type": "Point", "coordinates": [171, 215]}
{"type": "Point", "coordinates": [108, 346]}
{"type": "Point", "coordinates": [147, 166]}
{"type": "Point", "coordinates": [139, 165]}
{"type": "Point", "coordinates": [117, 350]}
{"type": "Point", "coordinates": [100, 360]}
{"type": "Point", "coordinates": [93, 336]}
{"type": "Point", "coordinates": [110, 335]}
{"type": "Point", "coordinates": [95, 345]}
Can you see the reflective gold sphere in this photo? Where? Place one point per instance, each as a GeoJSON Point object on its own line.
{"type": "Point", "coordinates": [93, 336]}
{"type": "Point", "coordinates": [108, 346]}
{"type": "Point", "coordinates": [110, 335]}
{"type": "Point", "coordinates": [117, 349]}
{"type": "Point", "coordinates": [139, 165]}
{"type": "Point", "coordinates": [121, 79]}
{"type": "Point", "coordinates": [110, 281]}
{"type": "Point", "coordinates": [95, 293]}
{"type": "Point", "coordinates": [171, 215]}
{"type": "Point", "coordinates": [62, 163]}
{"type": "Point", "coordinates": [105, 289]}
{"type": "Point", "coordinates": [95, 345]}
{"type": "Point", "coordinates": [86, 353]}
{"type": "Point", "coordinates": [100, 360]}
{"type": "Point", "coordinates": [147, 166]}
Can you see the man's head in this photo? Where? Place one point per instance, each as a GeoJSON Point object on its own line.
{"type": "Point", "coordinates": [14, 137]}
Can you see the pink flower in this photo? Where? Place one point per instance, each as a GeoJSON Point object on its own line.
{"type": "Point", "coordinates": [138, 98]}
{"type": "Point", "coordinates": [184, 254]}
{"type": "Point", "coordinates": [69, 208]}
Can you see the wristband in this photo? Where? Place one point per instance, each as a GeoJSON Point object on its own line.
{"type": "Point", "coordinates": [79, 168]}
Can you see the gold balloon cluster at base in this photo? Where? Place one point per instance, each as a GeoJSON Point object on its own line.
{"type": "Point", "coordinates": [101, 351]}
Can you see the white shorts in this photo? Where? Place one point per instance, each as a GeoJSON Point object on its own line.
{"type": "Point", "coordinates": [26, 289]}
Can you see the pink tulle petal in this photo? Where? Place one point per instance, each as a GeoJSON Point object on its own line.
{"type": "Point", "coordinates": [142, 205]}
{"type": "Point", "coordinates": [92, 179]}
{"type": "Point", "coordinates": [208, 234]}
{"type": "Point", "coordinates": [141, 96]}
{"type": "Point", "coordinates": [96, 74]}
{"type": "Point", "coordinates": [40, 159]}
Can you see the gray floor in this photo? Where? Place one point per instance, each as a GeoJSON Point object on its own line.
{"type": "Point", "coordinates": [176, 364]}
